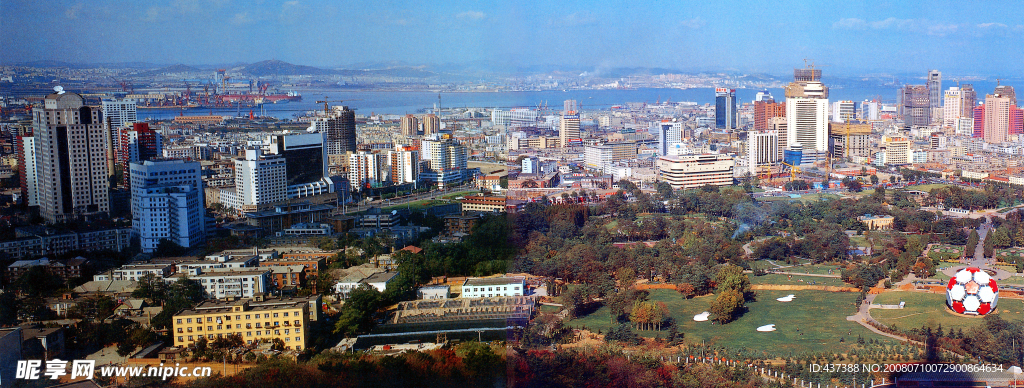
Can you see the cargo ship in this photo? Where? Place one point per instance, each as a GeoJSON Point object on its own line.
{"type": "Point", "coordinates": [259, 98]}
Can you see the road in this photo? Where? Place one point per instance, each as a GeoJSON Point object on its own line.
{"type": "Point", "coordinates": [364, 206]}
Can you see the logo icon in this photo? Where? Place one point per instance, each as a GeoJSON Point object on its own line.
{"type": "Point", "coordinates": [972, 292]}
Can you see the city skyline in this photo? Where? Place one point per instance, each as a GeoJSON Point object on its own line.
{"type": "Point", "coordinates": [845, 38]}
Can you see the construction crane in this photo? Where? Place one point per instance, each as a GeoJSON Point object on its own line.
{"type": "Point", "coordinates": [327, 111]}
{"type": "Point", "coordinates": [793, 170]}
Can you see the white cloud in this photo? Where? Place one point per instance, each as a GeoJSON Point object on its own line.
{"type": "Point", "coordinates": [471, 15]}
{"type": "Point", "coordinates": [694, 23]}
{"type": "Point", "coordinates": [72, 11]}
{"type": "Point", "coordinates": [241, 18]}
{"type": "Point", "coordinates": [922, 26]}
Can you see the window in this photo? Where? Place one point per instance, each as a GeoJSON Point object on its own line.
{"type": "Point", "coordinates": [209, 328]}
{"type": "Point", "coordinates": [297, 331]}
{"type": "Point", "coordinates": [181, 339]}
{"type": "Point", "coordinates": [247, 316]}
{"type": "Point", "coordinates": [285, 314]}
{"type": "Point", "coordinates": [297, 339]}
{"type": "Point", "coordinates": [277, 332]}
{"type": "Point", "coordinates": [179, 320]}
{"type": "Point", "coordinates": [248, 334]}
{"type": "Point", "coordinates": [286, 331]}
{"type": "Point", "coordinates": [189, 320]}
{"type": "Point", "coordinates": [238, 325]}
{"type": "Point", "coordinates": [296, 322]}
{"type": "Point", "coordinates": [199, 328]}
{"type": "Point", "coordinates": [179, 330]}
{"type": "Point", "coordinates": [275, 315]}
{"type": "Point", "coordinates": [190, 338]}
{"type": "Point", "coordinates": [287, 338]}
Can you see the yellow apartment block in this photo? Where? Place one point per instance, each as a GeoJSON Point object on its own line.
{"type": "Point", "coordinates": [214, 319]}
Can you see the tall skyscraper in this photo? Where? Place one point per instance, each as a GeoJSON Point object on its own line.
{"type": "Point", "coordinates": [120, 113]}
{"type": "Point", "coordinates": [765, 110]}
{"type": "Point", "coordinates": [970, 100]}
{"type": "Point", "coordinates": [29, 169]}
{"type": "Point", "coordinates": [870, 110]}
{"type": "Point", "coordinates": [843, 111]}
{"type": "Point", "coordinates": [446, 160]}
{"type": "Point", "coordinates": [569, 129]}
{"type": "Point", "coordinates": [137, 143]}
{"type": "Point", "coordinates": [167, 202]}
{"type": "Point", "coordinates": [409, 125]}
{"type": "Point", "coordinates": [998, 113]}
{"type": "Point", "coordinates": [570, 106]}
{"type": "Point", "coordinates": [366, 169]}
{"type": "Point", "coordinates": [762, 151]}
{"type": "Point", "coordinates": [725, 108]}
{"type": "Point", "coordinates": [340, 131]}
{"type": "Point", "coordinates": [952, 107]}
{"type": "Point", "coordinates": [935, 94]}
{"type": "Point", "coordinates": [404, 163]}
{"type": "Point", "coordinates": [807, 111]}
{"type": "Point", "coordinates": [305, 156]}
{"type": "Point", "coordinates": [915, 105]}
{"type": "Point", "coordinates": [431, 124]}
{"type": "Point", "coordinates": [71, 145]}
{"type": "Point", "coordinates": [671, 132]}
{"type": "Point", "coordinates": [260, 181]}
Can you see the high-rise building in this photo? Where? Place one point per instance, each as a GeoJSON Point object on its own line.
{"type": "Point", "coordinates": [601, 156]}
{"type": "Point", "coordinates": [446, 160]}
{"type": "Point", "coordinates": [807, 111]}
{"type": "Point", "coordinates": [531, 165]}
{"type": "Point", "coordinates": [692, 171]}
{"type": "Point", "coordinates": [514, 118]}
{"type": "Point", "coordinates": [952, 107]}
{"type": "Point", "coordinates": [897, 150]}
{"type": "Point", "coordinates": [305, 156]}
{"type": "Point", "coordinates": [764, 95]}
{"type": "Point", "coordinates": [999, 115]}
{"type": "Point", "coordinates": [71, 147]}
{"type": "Point", "coordinates": [970, 100]}
{"type": "Point", "coordinates": [915, 105]}
{"type": "Point", "coordinates": [260, 180]}
{"type": "Point", "coordinates": [431, 124]}
{"type": "Point", "coordinates": [120, 113]}
{"type": "Point", "coordinates": [570, 106]}
{"type": "Point", "coordinates": [366, 169]}
{"type": "Point", "coordinates": [934, 94]}
{"type": "Point", "coordinates": [29, 169]}
{"type": "Point", "coordinates": [979, 122]}
{"type": "Point", "coordinates": [725, 108]}
{"type": "Point", "coordinates": [137, 143]}
{"type": "Point", "coordinates": [870, 110]}
{"type": "Point", "coordinates": [569, 129]}
{"type": "Point", "coordinates": [780, 127]}
{"type": "Point", "coordinates": [762, 151]}
{"type": "Point", "coordinates": [404, 163]}
{"type": "Point", "coordinates": [409, 125]}
{"type": "Point", "coordinates": [765, 111]}
{"type": "Point", "coordinates": [340, 131]}
{"type": "Point", "coordinates": [167, 202]}
{"type": "Point", "coordinates": [843, 111]}
{"type": "Point", "coordinates": [671, 132]}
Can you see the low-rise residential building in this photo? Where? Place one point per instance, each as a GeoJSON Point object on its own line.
{"type": "Point", "coordinates": [253, 322]}
{"type": "Point", "coordinates": [877, 222]}
{"type": "Point", "coordinates": [44, 241]}
{"type": "Point", "coordinates": [134, 272]}
{"type": "Point", "coordinates": [434, 292]}
{"type": "Point", "coordinates": [234, 282]}
{"type": "Point", "coordinates": [380, 280]}
{"type": "Point", "coordinates": [492, 287]}
{"type": "Point", "coordinates": [692, 171]}
{"type": "Point", "coordinates": [483, 203]}
{"type": "Point", "coordinates": [65, 270]}
{"type": "Point", "coordinates": [286, 277]}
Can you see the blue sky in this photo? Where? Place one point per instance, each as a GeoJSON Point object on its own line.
{"type": "Point", "coordinates": [770, 36]}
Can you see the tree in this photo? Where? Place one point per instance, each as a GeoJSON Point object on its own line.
{"type": "Point", "coordinates": [731, 277]}
{"type": "Point", "coordinates": [357, 314]}
{"type": "Point", "coordinates": [574, 300]}
{"type": "Point", "coordinates": [727, 306]}
{"type": "Point", "coordinates": [874, 179]}
{"type": "Point", "coordinates": [664, 190]}
{"type": "Point", "coordinates": [989, 247]}
{"type": "Point", "coordinates": [972, 242]}
{"type": "Point", "coordinates": [623, 333]}
{"type": "Point", "coordinates": [9, 306]}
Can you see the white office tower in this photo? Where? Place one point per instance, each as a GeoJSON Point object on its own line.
{"type": "Point", "coordinates": [762, 151]}
{"type": "Point", "coordinates": [71, 149]}
{"type": "Point", "coordinates": [305, 156]}
{"type": "Point", "coordinates": [870, 110]}
{"type": "Point", "coordinates": [30, 170]}
{"type": "Point", "coordinates": [935, 95]}
{"type": "Point", "coordinates": [569, 129]}
{"type": "Point", "coordinates": [404, 165]}
{"type": "Point", "coordinates": [167, 202]}
{"type": "Point", "coordinates": [446, 159]}
{"type": "Point", "coordinates": [669, 134]}
{"type": "Point", "coordinates": [531, 165]}
{"type": "Point", "coordinates": [120, 113]}
{"type": "Point", "coordinates": [807, 115]}
{"type": "Point", "coordinates": [843, 111]}
{"type": "Point", "coordinates": [260, 180]}
{"type": "Point", "coordinates": [952, 107]}
{"type": "Point", "coordinates": [366, 169]}
{"type": "Point", "coordinates": [514, 118]}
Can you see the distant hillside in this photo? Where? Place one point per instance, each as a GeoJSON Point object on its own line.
{"type": "Point", "coordinates": [275, 67]}
{"type": "Point", "coordinates": [173, 69]}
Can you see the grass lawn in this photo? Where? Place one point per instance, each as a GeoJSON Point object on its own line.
{"type": "Point", "coordinates": [818, 269]}
{"type": "Point", "coordinates": [928, 187]}
{"type": "Point", "coordinates": [797, 280]}
{"type": "Point", "coordinates": [813, 322]}
{"type": "Point", "coordinates": [417, 205]}
{"type": "Point", "coordinates": [859, 241]}
{"type": "Point", "coordinates": [460, 194]}
{"type": "Point", "coordinates": [930, 309]}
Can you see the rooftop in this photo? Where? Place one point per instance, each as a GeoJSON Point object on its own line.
{"type": "Point", "coordinates": [500, 281]}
